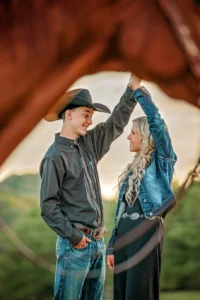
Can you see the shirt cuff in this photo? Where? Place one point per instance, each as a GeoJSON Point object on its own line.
{"type": "Point", "coordinates": [76, 238]}
{"type": "Point", "coordinates": [128, 93]}
{"type": "Point", "coordinates": [110, 251]}
{"type": "Point", "coordinates": [140, 90]}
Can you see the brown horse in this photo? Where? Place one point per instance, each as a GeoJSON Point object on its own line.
{"type": "Point", "coordinates": [46, 45]}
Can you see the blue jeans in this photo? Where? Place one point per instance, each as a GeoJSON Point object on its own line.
{"type": "Point", "coordinates": [80, 273]}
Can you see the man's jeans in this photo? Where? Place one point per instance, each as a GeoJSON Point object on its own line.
{"type": "Point", "coordinates": [80, 273]}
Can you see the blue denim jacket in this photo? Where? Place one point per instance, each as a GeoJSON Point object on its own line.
{"type": "Point", "coordinates": [155, 195]}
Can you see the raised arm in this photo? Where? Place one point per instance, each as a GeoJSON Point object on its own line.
{"type": "Point", "coordinates": [105, 133]}
{"type": "Point", "coordinates": [157, 125]}
{"type": "Point", "coordinates": [52, 173]}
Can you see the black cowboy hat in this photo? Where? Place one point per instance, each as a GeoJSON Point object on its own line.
{"type": "Point", "coordinates": [72, 99]}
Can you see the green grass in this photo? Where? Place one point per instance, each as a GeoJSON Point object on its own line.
{"type": "Point", "coordinates": [180, 296]}
{"type": "Point", "coordinates": [166, 296]}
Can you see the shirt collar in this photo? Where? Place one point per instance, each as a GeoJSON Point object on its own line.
{"type": "Point", "coordinates": [64, 140]}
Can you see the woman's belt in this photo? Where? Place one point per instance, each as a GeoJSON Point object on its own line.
{"type": "Point", "coordinates": [133, 216]}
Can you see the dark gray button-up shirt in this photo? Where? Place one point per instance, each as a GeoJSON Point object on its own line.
{"type": "Point", "coordinates": [70, 190]}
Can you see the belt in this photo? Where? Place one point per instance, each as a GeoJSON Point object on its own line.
{"type": "Point", "coordinates": [81, 228]}
{"type": "Point", "coordinates": [96, 233]}
{"type": "Point", "coordinates": [133, 216]}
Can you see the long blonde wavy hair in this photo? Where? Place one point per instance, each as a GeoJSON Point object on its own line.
{"type": "Point", "coordinates": [141, 160]}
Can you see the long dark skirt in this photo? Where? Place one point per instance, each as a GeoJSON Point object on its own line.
{"type": "Point", "coordinates": [138, 253]}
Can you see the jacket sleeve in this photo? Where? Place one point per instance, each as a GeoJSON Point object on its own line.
{"type": "Point", "coordinates": [111, 243]}
{"type": "Point", "coordinates": [157, 125]}
{"type": "Point", "coordinates": [105, 133]}
{"type": "Point", "coordinates": [52, 174]}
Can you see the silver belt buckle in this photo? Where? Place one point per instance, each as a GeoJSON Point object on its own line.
{"type": "Point", "coordinates": [99, 232]}
{"type": "Point", "coordinates": [134, 216]}
{"type": "Point", "coordinates": [124, 215]}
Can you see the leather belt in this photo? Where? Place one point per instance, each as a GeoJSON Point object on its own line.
{"type": "Point", "coordinates": [81, 228]}
{"type": "Point", "coordinates": [96, 233]}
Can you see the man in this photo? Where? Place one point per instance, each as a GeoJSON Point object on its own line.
{"type": "Point", "coordinates": [71, 202]}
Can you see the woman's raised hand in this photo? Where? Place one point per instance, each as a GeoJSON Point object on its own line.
{"type": "Point", "coordinates": [134, 82]}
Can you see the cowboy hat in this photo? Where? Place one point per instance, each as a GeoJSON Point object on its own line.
{"type": "Point", "coordinates": [72, 99]}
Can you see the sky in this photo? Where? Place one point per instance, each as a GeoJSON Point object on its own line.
{"type": "Point", "coordinates": [183, 121]}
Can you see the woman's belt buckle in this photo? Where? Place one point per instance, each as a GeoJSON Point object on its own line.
{"type": "Point", "coordinates": [134, 216]}
{"type": "Point", "coordinates": [124, 215]}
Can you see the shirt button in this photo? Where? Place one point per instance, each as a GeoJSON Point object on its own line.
{"type": "Point", "coordinates": [145, 200]}
{"type": "Point", "coordinates": [71, 146]}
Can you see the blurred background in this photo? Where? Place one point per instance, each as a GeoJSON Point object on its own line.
{"type": "Point", "coordinates": [27, 245]}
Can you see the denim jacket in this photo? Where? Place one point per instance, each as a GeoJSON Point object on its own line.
{"type": "Point", "coordinates": [155, 195]}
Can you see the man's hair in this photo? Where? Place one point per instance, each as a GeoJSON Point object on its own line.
{"type": "Point", "coordinates": [63, 113]}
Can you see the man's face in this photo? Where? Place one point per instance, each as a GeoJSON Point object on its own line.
{"type": "Point", "coordinates": [81, 119]}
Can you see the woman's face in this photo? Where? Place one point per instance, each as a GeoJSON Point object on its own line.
{"type": "Point", "coordinates": [135, 139]}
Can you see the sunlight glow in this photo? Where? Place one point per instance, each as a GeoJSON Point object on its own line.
{"type": "Point", "coordinates": [108, 193]}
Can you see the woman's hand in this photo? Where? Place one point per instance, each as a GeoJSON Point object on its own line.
{"type": "Point", "coordinates": [134, 82]}
{"type": "Point", "coordinates": [110, 261]}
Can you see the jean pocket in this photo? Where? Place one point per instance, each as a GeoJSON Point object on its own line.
{"type": "Point", "coordinates": [80, 249]}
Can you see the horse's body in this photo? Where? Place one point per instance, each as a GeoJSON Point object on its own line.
{"type": "Point", "coordinates": [46, 45]}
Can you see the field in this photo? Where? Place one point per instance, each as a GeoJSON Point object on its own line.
{"type": "Point", "coordinates": [181, 296]}
{"type": "Point", "coordinates": [168, 296]}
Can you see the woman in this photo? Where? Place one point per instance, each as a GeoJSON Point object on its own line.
{"type": "Point", "coordinates": [135, 248]}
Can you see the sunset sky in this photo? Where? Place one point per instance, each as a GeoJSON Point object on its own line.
{"type": "Point", "coordinates": [182, 119]}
